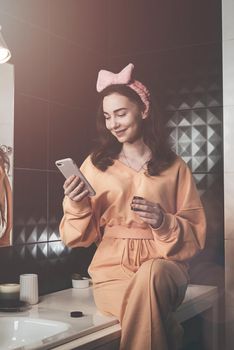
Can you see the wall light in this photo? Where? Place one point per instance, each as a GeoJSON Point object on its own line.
{"type": "Point", "coordinates": [5, 54]}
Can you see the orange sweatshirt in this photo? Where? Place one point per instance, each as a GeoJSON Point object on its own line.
{"type": "Point", "coordinates": [108, 214]}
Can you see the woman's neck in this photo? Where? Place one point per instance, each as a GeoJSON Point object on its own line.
{"type": "Point", "coordinates": [135, 150]}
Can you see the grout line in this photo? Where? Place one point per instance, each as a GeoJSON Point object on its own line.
{"type": "Point", "coordinates": [88, 49]}
{"type": "Point", "coordinates": [37, 242]}
{"type": "Point", "coordinates": [40, 170]}
{"type": "Point", "coordinates": [51, 101]}
{"type": "Point", "coordinates": [194, 109]}
{"type": "Point", "coordinates": [146, 52]}
{"type": "Point", "coordinates": [57, 172]}
{"type": "Point", "coordinates": [21, 20]}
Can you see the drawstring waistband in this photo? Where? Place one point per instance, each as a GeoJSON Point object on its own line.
{"type": "Point", "coordinates": [119, 231]}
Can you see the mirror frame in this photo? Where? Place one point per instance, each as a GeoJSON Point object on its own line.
{"type": "Point", "coordinates": [6, 153]}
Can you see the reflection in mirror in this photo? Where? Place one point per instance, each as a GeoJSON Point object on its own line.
{"type": "Point", "coordinates": [6, 152]}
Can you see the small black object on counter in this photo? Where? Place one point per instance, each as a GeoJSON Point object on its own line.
{"type": "Point", "coordinates": [76, 314]}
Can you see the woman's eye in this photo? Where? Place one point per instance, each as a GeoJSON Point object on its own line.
{"type": "Point", "coordinates": [121, 114]}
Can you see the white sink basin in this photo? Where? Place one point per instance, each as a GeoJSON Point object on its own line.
{"type": "Point", "coordinates": [17, 332]}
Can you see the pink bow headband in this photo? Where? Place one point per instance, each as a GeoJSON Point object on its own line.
{"type": "Point", "coordinates": [106, 78]}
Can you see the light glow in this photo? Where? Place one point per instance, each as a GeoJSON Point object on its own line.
{"type": "Point", "coordinates": [5, 54]}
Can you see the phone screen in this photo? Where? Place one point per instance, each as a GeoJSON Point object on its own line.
{"type": "Point", "coordinates": [68, 168]}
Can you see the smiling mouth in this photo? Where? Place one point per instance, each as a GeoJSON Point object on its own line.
{"type": "Point", "coordinates": [119, 132]}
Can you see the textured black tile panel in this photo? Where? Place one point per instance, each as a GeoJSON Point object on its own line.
{"type": "Point", "coordinates": [7, 266]}
{"type": "Point", "coordinates": [196, 135]}
{"type": "Point", "coordinates": [61, 263]}
{"type": "Point", "coordinates": [30, 206]}
{"type": "Point", "coordinates": [55, 210]}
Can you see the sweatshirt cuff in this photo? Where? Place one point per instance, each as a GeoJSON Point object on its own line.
{"type": "Point", "coordinates": [164, 230]}
{"type": "Point", "coordinates": [77, 207]}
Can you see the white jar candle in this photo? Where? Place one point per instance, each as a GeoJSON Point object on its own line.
{"type": "Point", "coordinates": [9, 291]}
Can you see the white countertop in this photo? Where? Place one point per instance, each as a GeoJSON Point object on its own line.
{"type": "Point", "coordinates": [94, 329]}
{"type": "Point", "coordinates": [57, 306]}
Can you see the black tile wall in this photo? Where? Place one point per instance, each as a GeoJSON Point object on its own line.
{"type": "Point", "coordinates": [67, 133]}
{"type": "Point", "coordinates": [161, 24]}
{"type": "Point", "coordinates": [30, 132]}
{"type": "Point", "coordinates": [185, 74]}
{"type": "Point", "coordinates": [72, 65]}
{"type": "Point", "coordinates": [173, 68]}
{"type": "Point", "coordinates": [30, 206]}
{"type": "Point", "coordinates": [55, 198]}
{"type": "Point", "coordinates": [57, 50]}
{"type": "Point", "coordinates": [196, 136]}
{"type": "Point", "coordinates": [83, 22]}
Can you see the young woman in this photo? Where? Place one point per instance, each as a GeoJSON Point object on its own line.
{"type": "Point", "coordinates": [146, 217]}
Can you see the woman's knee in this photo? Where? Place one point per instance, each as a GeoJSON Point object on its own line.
{"type": "Point", "coordinates": [164, 274]}
{"type": "Point", "coordinates": [157, 267]}
{"type": "Point", "coordinates": [169, 279]}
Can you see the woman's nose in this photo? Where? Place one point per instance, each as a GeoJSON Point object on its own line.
{"type": "Point", "coordinates": [114, 124]}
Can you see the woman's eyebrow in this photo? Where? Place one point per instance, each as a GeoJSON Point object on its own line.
{"type": "Point", "coordinates": [116, 110]}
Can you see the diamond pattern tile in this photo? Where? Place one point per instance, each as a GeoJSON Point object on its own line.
{"type": "Point", "coordinates": [57, 251]}
{"type": "Point", "coordinates": [196, 135]}
{"type": "Point", "coordinates": [30, 219]}
{"type": "Point", "coordinates": [191, 94]}
{"type": "Point", "coordinates": [204, 181]}
{"type": "Point", "coordinates": [55, 198]}
{"type": "Point", "coordinates": [8, 272]}
{"type": "Point", "coordinates": [62, 262]}
{"type": "Point", "coordinates": [31, 252]}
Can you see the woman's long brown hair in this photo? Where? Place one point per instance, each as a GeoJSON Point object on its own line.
{"type": "Point", "coordinates": [4, 160]}
{"type": "Point", "coordinates": [154, 134]}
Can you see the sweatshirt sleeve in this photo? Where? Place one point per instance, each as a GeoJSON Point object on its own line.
{"type": "Point", "coordinates": [78, 227]}
{"type": "Point", "coordinates": [182, 235]}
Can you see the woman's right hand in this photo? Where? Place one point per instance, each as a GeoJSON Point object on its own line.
{"type": "Point", "coordinates": [74, 188]}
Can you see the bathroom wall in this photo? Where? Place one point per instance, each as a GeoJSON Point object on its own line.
{"type": "Point", "coordinates": [176, 47]}
{"type": "Point", "coordinates": [228, 112]}
{"type": "Point", "coordinates": [57, 48]}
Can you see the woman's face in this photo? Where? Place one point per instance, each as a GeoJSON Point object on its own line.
{"type": "Point", "coordinates": [123, 117]}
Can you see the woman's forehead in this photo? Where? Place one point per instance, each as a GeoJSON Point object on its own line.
{"type": "Point", "coordinates": [116, 101]}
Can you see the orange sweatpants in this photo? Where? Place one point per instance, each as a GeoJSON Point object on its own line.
{"type": "Point", "coordinates": [144, 304]}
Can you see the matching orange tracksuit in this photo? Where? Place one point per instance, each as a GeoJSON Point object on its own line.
{"type": "Point", "coordinates": [139, 273]}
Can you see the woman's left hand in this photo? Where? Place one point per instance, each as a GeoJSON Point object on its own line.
{"type": "Point", "coordinates": [151, 213]}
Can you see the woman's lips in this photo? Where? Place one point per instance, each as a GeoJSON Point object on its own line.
{"type": "Point", "coordinates": [118, 133]}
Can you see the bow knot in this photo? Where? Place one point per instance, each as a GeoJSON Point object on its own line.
{"type": "Point", "coordinates": [106, 78]}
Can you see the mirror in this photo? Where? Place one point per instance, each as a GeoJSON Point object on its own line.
{"type": "Point", "coordinates": [6, 152]}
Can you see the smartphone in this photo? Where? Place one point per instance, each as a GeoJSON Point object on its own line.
{"type": "Point", "coordinates": [68, 167]}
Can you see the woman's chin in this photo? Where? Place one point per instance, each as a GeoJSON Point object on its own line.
{"type": "Point", "coordinates": [127, 138]}
{"type": "Point", "coordinates": [121, 138]}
